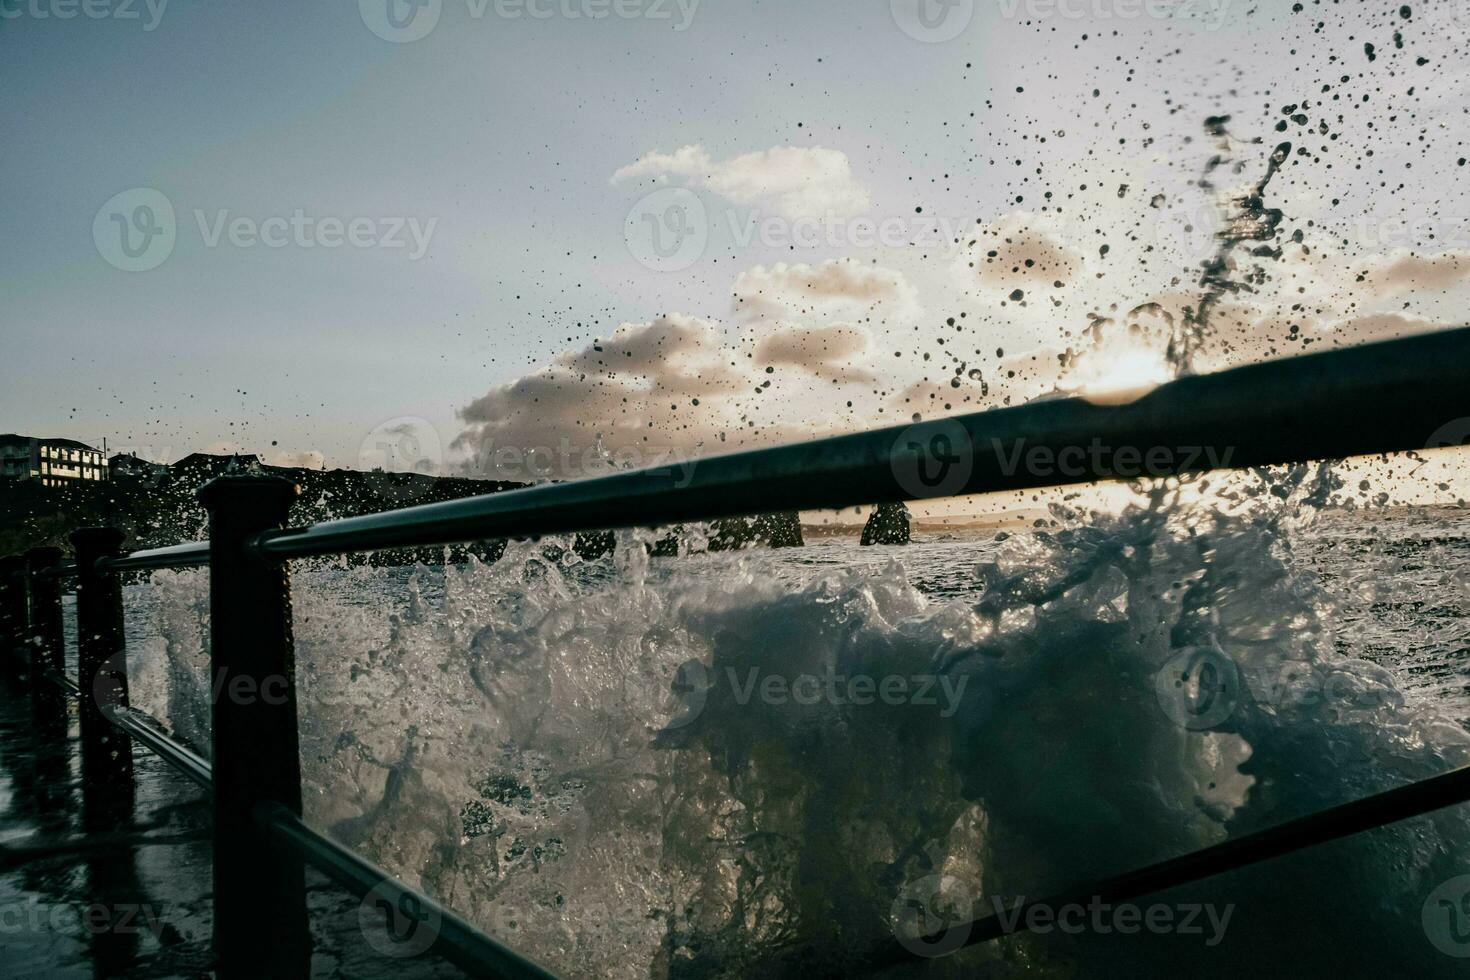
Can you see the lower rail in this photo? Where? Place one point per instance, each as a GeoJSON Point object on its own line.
{"type": "Point", "coordinates": [1398, 395]}
{"type": "Point", "coordinates": [479, 955]}
{"type": "Point", "coordinates": [456, 940]}
{"type": "Point", "coordinates": [1334, 823]}
{"type": "Point", "coordinates": [141, 727]}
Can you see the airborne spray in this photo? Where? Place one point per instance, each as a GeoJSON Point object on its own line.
{"type": "Point", "coordinates": [1247, 220]}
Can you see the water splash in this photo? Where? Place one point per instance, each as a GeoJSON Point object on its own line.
{"type": "Point", "coordinates": [578, 756]}
{"type": "Point", "coordinates": [1249, 228]}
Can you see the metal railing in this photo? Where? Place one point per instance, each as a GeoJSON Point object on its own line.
{"type": "Point", "coordinates": [1377, 398]}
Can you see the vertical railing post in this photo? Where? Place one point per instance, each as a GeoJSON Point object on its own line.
{"type": "Point", "coordinates": [48, 650]}
{"type": "Point", "coordinates": [107, 751]}
{"type": "Point", "coordinates": [102, 668]}
{"type": "Point", "coordinates": [260, 925]}
{"type": "Point", "coordinates": [14, 615]}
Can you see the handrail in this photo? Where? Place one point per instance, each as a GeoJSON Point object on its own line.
{"type": "Point", "coordinates": [1399, 395]}
{"type": "Point", "coordinates": [458, 941]}
{"type": "Point", "coordinates": [141, 726]}
{"type": "Point", "coordinates": [1324, 826]}
{"type": "Point", "coordinates": [190, 554]}
{"type": "Point", "coordinates": [1260, 414]}
{"type": "Point", "coordinates": [1273, 412]}
{"type": "Point", "coordinates": [462, 944]}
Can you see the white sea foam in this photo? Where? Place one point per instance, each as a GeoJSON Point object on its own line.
{"type": "Point", "coordinates": [575, 756]}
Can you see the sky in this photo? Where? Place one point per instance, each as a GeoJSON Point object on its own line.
{"type": "Point", "coordinates": [536, 238]}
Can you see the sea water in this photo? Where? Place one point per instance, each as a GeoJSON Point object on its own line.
{"type": "Point", "coordinates": [722, 764]}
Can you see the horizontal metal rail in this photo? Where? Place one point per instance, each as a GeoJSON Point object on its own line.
{"type": "Point", "coordinates": [479, 955]}
{"type": "Point", "coordinates": [462, 944]}
{"type": "Point", "coordinates": [62, 681]}
{"type": "Point", "coordinates": [1377, 398]}
{"type": "Point", "coordinates": [192, 554]}
{"type": "Point", "coordinates": [1334, 823]}
{"type": "Point", "coordinates": [456, 940]}
{"type": "Point", "coordinates": [1374, 398]}
{"type": "Point", "coordinates": [142, 727]}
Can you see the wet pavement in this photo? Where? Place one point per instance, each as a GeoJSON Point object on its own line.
{"type": "Point", "coordinates": [114, 881]}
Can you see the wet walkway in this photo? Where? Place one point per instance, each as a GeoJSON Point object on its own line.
{"type": "Point", "coordinates": [98, 884]}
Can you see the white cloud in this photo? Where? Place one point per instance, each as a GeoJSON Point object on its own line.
{"type": "Point", "coordinates": [792, 182]}
{"type": "Point", "coordinates": [837, 352]}
{"type": "Point", "coordinates": [671, 388]}
{"type": "Point", "coordinates": [838, 288]}
{"type": "Point", "coordinates": [1402, 271]}
{"type": "Point", "coordinates": [1018, 252]}
{"type": "Point", "coordinates": [1324, 271]}
{"type": "Point", "coordinates": [679, 386]}
{"type": "Point", "coordinates": [689, 162]}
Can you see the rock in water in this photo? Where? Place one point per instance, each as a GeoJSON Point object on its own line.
{"type": "Point", "coordinates": [590, 545]}
{"type": "Point", "coordinates": [778, 530]}
{"type": "Point", "coordinates": [888, 524]}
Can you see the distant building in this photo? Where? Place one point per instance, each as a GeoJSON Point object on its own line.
{"type": "Point", "coordinates": [55, 462]}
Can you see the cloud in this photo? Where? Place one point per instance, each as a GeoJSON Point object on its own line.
{"type": "Point", "coordinates": [679, 386]}
{"type": "Point", "coordinates": [839, 288]}
{"type": "Point", "coordinates": [793, 182]}
{"type": "Point", "coordinates": [689, 162]}
{"type": "Point", "coordinates": [1402, 271]}
{"type": "Point", "coordinates": [1018, 252]}
{"type": "Point", "coordinates": [833, 352]}
{"type": "Point", "coordinates": [1381, 326]}
{"type": "Point", "coordinates": [668, 389]}
{"type": "Point", "coordinates": [1322, 270]}
{"type": "Point", "coordinates": [674, 354]}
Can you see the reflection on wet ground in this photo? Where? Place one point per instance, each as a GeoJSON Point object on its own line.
{"type": "Point", "coordinates": [114, 881]}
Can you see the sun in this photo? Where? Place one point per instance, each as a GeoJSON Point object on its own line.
{"type": "Point", "coordinates": [1118, 376]}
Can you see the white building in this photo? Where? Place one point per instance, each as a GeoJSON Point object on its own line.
{"type": "Point", "coordinates": [54, 462]}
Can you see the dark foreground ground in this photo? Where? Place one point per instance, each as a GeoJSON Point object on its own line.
{"type": "Point", "coordinates": [108, 890]}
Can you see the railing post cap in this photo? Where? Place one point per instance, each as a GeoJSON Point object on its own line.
{"type": "Point", "coordinates": [12, 563]}
{"type": "Point", "coordinates": [273, 494]}
{"type": "Point", "coordinates": [97, 539]}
